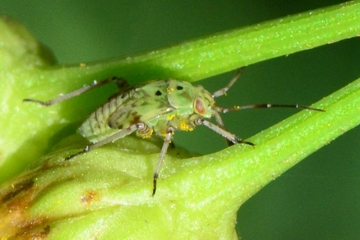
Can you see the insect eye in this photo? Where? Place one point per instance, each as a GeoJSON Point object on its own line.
{"type": "Point", "coordinates": [158, 93]}
{"type": "Point", "coordinates": [179, 87]}
{"type": "Point", "coordinates": [199, 106]}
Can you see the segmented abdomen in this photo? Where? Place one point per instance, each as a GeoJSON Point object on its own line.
{"type": "Point", "coordinates": [96, 127]}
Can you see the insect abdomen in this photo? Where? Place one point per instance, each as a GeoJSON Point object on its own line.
{"type": "Point", "coordinates": [96, 127]}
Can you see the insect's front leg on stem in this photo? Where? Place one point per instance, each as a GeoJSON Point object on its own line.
{"type": "Point", "coordinates": [229, 136]}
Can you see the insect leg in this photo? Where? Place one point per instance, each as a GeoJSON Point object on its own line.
{"type": "Point", "coordinates": [221, 124]}
{"type": "Point", "coordinates": [167, 141]}
{"type": "Point", "coordinates": [119, 81]}
{"type": "Point", "coordinates": [229, 136]}
{"type": "Point", "coordinates": [223, 90]}
{"type": "Point", "coordinates": [137, 126]}
{"type": "Point", "coordinates": [265, 105]}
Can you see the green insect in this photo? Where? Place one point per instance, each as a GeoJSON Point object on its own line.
{"type": "Point", "coordinates": [157, 107]}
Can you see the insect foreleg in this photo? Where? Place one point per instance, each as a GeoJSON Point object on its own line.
{"type": "Point", "coordinates": [231, 137]}
{"type": "Point", "coordinates": [219, 120]}
{"type": "Point", "coordinates": [221, 124]}
{"type": "Point", "coordinates": [121, 83]}
{"type": "Point", "coordinates": [167, 141]}
{"type": "Point", "coordinates": [137, 126]}
{"type": "Point", "coordinates": [223, 90]}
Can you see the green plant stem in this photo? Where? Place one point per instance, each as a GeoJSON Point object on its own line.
{"type": "Point", "coordinates": [226, 51]}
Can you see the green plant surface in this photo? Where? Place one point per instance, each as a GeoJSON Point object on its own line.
{"type": "Point", "coordinates": [90, 195]}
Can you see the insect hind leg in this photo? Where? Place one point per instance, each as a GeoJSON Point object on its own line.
{"type": "Point", "coordinates": [120, 82]}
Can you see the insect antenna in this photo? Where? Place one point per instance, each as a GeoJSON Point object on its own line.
{"type": "Point", "coordinates": [223, 91]}
{"type": "Point", "coordinates": [121, 83]}
{"type": "Point", "coordinates": [218, 110]}
{"type": "Point", "coordinates": [264, 105]}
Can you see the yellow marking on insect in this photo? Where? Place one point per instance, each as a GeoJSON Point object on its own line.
{"type": "Point", "coordinates": [164, 134]}
{"type": "Point", "coordinates": [170, 90]}
{"type": "Point", "coordinates": [185, 127]}
{"type": "Point", "coordinates": [149, 134]}
{"type": "Point", "coordinates": [170, 117]}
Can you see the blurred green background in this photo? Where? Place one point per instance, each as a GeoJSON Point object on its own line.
{"type": "Point", "coordinates": [317, 199]}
